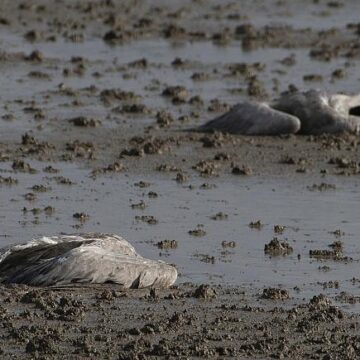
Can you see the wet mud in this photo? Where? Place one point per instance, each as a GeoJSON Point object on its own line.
{"type": "Point", "coordinates": [98, 105]}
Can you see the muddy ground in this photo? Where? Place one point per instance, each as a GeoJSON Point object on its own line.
{"type": "Point", "coordinates": [186, 322]}
{"type": "Point", "coordinates": [99, 102]}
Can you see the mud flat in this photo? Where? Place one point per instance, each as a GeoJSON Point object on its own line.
{"type": "Point", "coordinates": [98, 100]}
{"type": "Point", "coordinates": [186, 321]}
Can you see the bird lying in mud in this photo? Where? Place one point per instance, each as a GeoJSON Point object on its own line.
{"type": "Point", "coordinates": [311, 112]}
{"type": "Point", "coordinates": [90, 258]}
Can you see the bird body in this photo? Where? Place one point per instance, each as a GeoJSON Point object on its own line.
{"type": "Point", "coordinates": [253, 118]}
{"type": "Point", "coordinates": [89, 258]}
{"type": "Point", "coordinates": [311, 112]}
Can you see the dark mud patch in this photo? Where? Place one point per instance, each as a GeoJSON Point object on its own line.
{"type": "Point", "coordinates": [216, 321]}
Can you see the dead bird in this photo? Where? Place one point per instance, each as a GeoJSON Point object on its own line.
{"type": "Point", "coordinates": [310, 112]}
{"type": "Point", "coordinates": [86, 258]}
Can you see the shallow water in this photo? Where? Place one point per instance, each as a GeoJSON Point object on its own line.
{"type": "Point", "coordinates": [204, 56]}
{"type": "Point", "coordinates": [309, 218]}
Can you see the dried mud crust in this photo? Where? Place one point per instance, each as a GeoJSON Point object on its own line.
{"type": "Point", "coordinates": [186, 321]}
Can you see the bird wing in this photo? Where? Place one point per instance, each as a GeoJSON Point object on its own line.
{"type": "Point", "coordinates": [318, 111]}
{"type": "Point", "coordinates": [94, 258]}
{"type": "Point", "coordinates": [346, 104]}
{"type": "Point", "coordinates": [252, 118]}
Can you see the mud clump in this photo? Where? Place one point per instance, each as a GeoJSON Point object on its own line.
{"type": "Point", "coordinates": [30, 197]}
{"type": "Point", "coordinates": [149, 219]}
{"type": "Point", "coordinates": [142, 63]}
{"type": "Point", "coordinates": [206, 168]}
{"type": "Point", "coordinates": [200, 76]}
{"type": "Point", "coordinates": [221, 156]}
{"type": "Point", "coordinates": [197, 232]}
{"type": "Point", "coordinates": [116, 37]}
{"type": "Point", "coordinates": [39, 75]}
{"type": "Point", "coordinates": [63, 180]}
{"type": "Point", "coordinates": [50, 169]}
{"type": "Point", "coordinates": [49, 210]}
{"type": "Point", "coordinates": [204, 292]}
{"type": "Point", "coordinates": [41, 345]}
{"type": "Point", "coordinates": [275, 294]}
{"type": "Point", "coordinates": [256, 225]}
{"type": "Point", "coordinates": [330, 284]}
{"type": "Point", "coordinates": [132, 152]}
{"type": "Point", "coordinates": [179, 62]}
{"type": "Point", "coordinates": [178, 94]}
{"type": "Point", "coordinates": [213, 141]}
{"type": "Point", "coordinates": [217, 106]}
{"type": "Point", "coordinates": [164, 118]}
{"type": "Point", "coordinates": [181, 178]}
{"type": "Point", "coordinates": [149, 145]}
{"type": "Point", "coordinates": [34, 211]}
{"type": "Point", "coordinates": [228, 244]}
{"type": "Point", "coordinates": [322, 187]}
{"type": "Point", "coordinates": [243, 170]}
{"type": "Point", "coordinates": [140, 206]}
{"type": "Point", "coordinates": [40, 188]}
{"type": "Point", "coordinates": [22, 166]}
{"type": "Point", "coordinates": [320, 301]}
{"type": "Point", "coordinates": [196, 101]}
{"type": "Point", "coordinates": [81, 216]}
{"type": "Point", "coordinates": [207, 186]}
{"type": "Point", "coordinates": [279, 229]}
{"type": "Point", "coordinates": [337, 245]}
{"type": "Point", "coordinates": [111, 168]}
{"type": "Point", "coordinates": [256, 88]}
{"type": "Point", "coordinates": [313, 78]}
{"type": "Point", "coordinates": [83, 121]}
{"type": "Point", "coordinates": [290, 160]}
{"type": "Point", "coordinates": [339, 74]}
{"type": "Point", "coordinates": [155, 146]}
{"type": "Point", "coordinates": [133, 109]}
{"type": "Point", "coordinates": [108, 96]}
{"type": "Point", "coordinates": [81, 149]}
{"type": "Point", "coordinates": [338, 233]}
{"type": "Point", "coordinates": [167, 244]}
{"type": "Point", "coordinates": [174, 31]}
{"type": "Point", "coordinates": [35, 56]}
{"type": "Point", "coordinates": [55, 307]}
{"type": "Point", "coordinates": [335, 255]}
{"type": "Point", "coordinates": [347, 298]}
{"type": "Point", "coordinates": [142, 184]}
{"type": "Point", "coordinates": [219, 216]}
{"type": "Point", "coordinates": [205, 258]}
{"type": "Point", "coordinates": [247, 70]}
{"type": "Point", "coordinates": [8, 180]}
{"type": "Point", "coordinates": [276, 247]}
{"type": "Point", "coordinates": [325, 53]}
{"type": "Point", "coordinates": [31, 146]}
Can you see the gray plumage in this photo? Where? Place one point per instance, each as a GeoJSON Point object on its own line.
{"type": "Point", "coordinates": [91, 258]}
{"type": "Point", "coordinates": [311, 112]}
{"type": "Point", "coordinates": [252, 118]}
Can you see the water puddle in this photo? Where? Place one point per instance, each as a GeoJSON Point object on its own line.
{"type": "Point", "coordinates": [310, 217]}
